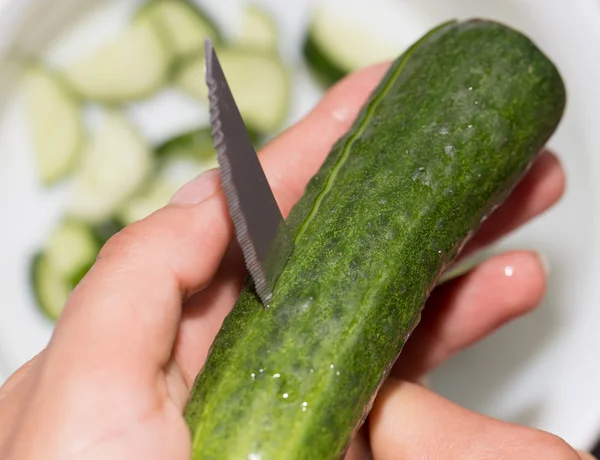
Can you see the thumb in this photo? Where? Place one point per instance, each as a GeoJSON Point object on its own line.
{"type": "Point", "coordinates": [409, 421]}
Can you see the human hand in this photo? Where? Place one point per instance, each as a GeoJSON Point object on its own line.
{"type": "Point", "coordinates": [115, 377]}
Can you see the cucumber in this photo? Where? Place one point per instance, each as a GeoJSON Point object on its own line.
{"type": "Point", "coordinates": [71, 251]}
{"type": "Point", "coordinates": [179, 160]}
{"type": "Point", "coordinates": [259, 82]}
{"type": "Point", "coordinates": [116, 164]}
{"type": "Point", "coordinates": [55, 121]}
{"type": "Point", "coordinates": [344, 36]}
{"type": "Point", "coordinates": [447, 134]}
{"type": "Point", "coordinates": [184, 24]}
{"type": "Point", "coordinates": [258, 30]}
{"type": "Point", "coordinates": [50, 289]}
{"type": "Point", "coordinates": [130, 67]}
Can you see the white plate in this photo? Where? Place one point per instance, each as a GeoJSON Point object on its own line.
{"type": "Point", "coordinates": [541, 371]}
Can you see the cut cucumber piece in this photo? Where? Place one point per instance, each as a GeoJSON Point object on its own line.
{"type": "Point", "coordinates": [132, 66]}
{"type": "Point", "coordinates": [259, 82]}
{"type": "Point", "coordinates": [184, 24]}
{"type": "Point", "coordinates": [258, 30]}
{"type": "Point", "coordinates": [151, 198]}
{"type": "Point", "coordinates": [56, 124]}
{"type": "Point", "coordinates": [179, 161]}
{"type": "Point", "coordinates": [344, 36]}
{"type": "Point", "coordinates": [50, 288]}
{"type": "Point", "coordinates": [72, 249]}
{"type": "Point", "coordinates": [116, 164]}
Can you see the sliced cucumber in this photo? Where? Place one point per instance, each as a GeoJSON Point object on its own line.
{"type": "Point", "coordinates": [116, 164]}
{"type": "Point", "coordinates": [344, 36]}
{"type": "Point", "coordinates": [258, 30]}
{"type": "Point", "coordinates": [179, 161]}
{"type": "Point", "coordinates": [259, 82]}
{"type": "Point", "coordinates": [151, 198]}
{"type": "Point", "coordinates": [56, 124]}
{"type": "Point", "coordinates": [130, 67]}
{"type": "Point", "coordinates": [184, 24]}
{"type": "Point", "coordinates": [50, 288]}
{"type": "Point", "coordinates": [71, 251]}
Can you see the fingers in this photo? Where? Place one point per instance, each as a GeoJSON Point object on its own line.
{"type": "Point", "coordinates": [539, 190]}
{"type": "Point", "coordinates": [408, 421]}
{"type": "Point", "coordinates": [462, 311]}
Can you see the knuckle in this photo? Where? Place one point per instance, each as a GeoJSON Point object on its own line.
{"type": "Point", "coordinates": [551, 447]}
{"type": "Point", "coordinates": [124, 242]}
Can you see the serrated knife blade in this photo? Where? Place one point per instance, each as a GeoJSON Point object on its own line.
{"type": "Point", "coordinates": [259, 225]}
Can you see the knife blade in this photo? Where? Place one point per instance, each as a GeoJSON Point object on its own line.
{"type": "Point", "coordinates": [260, 228]}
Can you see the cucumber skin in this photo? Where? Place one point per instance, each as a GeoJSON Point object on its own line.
{"type": "Point", "coordinates": [373, 235]}
{"type": "Point", "coordinates": [322, 67]}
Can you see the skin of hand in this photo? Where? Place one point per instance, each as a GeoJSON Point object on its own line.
{"type": "Point", "coordinates": [115, 376]}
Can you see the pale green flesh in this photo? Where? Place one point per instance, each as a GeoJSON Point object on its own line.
{"type": "Point", "coordinates": [71, 248]}
{"type": "Point", "coordinates": [117, 162]}
{"type": "Point", "coordinates": [55, 123]}
{"type": "Point", "coordinates": [259, 30]}
{"type": "Point", "coordinates": [131, 66]}
{"type": "Point", "coordinates": [184, 26]}
{"type": "Point", "coordinates": [52, 290]}
{"type": "Point", "coordinates": [259, 83]}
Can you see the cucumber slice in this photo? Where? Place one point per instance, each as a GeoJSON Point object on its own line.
{"type": "Point", "coordinates": [344, 37]}
{"type": "Point", "coordinates": [117, 163]}
{"type": "Point", "coordinates": [56, 124]}
{"type": "Point", "coordinates": [260, 84]}
{"type": "Point", "coordinates": [258, 30]}
{"type": "Point", "coordinates": [50, 288]}
{"type": "Point", "coordinates": [184, 24]}
{"type": "Point", "coordinates": [132, 66]}
{"type": "Point", "coordinates": [179, 161]}
{"type": "Point", "coordinates": [72, 249]}
{"type": "Point", "coordinates": [151, 198]}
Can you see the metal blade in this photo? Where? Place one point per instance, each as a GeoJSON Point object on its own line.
{"type": "Point", "coordinates": [260, 228]}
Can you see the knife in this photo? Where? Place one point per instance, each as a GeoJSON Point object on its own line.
{"type": "Point", "coordinates": [260, 229]}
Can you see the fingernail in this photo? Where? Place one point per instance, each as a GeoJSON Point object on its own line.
{"type": "Point", "coordinates": [199, 189]}
{"type": "Point", "coordinates": [544, 262]}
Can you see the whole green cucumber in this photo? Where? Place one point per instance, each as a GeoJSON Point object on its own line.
{"type": "Point", "coordinates": [443, 139]}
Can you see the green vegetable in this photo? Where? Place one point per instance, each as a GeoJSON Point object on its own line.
{"type": "Point", "coordinates": [259, 82]}
{"type": "Point", "coordinates": [343, 37]}
{"type": "Point", "coordinates": [130, 67]}
{"type": "Point", "coordinates": [185, 26]}
{"type": "Point", "coordinates": [56, 123]}
{"type": "Point", "coordinates": [443, 139]}
{"type": "Point", "coordinates": [258, 30]}
{"type": "Point", "coordinates": [71, 251]}
{"type": "Point", "coordinates": [117, 163]}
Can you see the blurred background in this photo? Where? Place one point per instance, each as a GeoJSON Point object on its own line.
{"type": "Point", "coordinates": [103, 115]}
